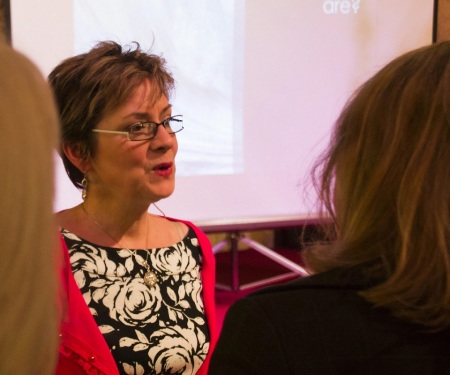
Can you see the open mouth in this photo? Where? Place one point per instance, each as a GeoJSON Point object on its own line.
{"type": "Point", "coordinates": [163, 169]}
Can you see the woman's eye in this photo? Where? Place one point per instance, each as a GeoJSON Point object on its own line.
{"type": "Point", "coordinates": [136, 128]}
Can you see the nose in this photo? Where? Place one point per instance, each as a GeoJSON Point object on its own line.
{"type": "Point", "coordinates": [163, 139]}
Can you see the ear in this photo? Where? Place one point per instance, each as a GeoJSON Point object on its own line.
{"type": "Point", "coordinates": [77, 155]}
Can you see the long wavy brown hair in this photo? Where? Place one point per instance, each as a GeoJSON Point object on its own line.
{"type": "Point", "coordinates": [385, 182]}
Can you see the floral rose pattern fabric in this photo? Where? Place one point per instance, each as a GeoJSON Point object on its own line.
{"type": "Point", "coordinates": [159, 330]}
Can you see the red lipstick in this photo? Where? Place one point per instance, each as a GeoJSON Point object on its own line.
{"type": "Point", "coordinates": [163, 169]}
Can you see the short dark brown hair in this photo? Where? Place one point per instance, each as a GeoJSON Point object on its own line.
{"type": "Point", "coordinates": [90, 85]}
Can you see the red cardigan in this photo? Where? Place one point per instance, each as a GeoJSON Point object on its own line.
{"type": "Point", "coordinates": [83, 349]}
{"type": "Point", "coordinates": [209, 284]}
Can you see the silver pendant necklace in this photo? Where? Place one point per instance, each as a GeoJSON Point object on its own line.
{"type": "Point", "coordinates": [150, 278]}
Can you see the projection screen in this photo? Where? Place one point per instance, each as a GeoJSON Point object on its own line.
{"type": "Point", "coordinates": [259, 82]}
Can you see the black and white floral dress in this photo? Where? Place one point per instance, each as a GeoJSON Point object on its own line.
{"type": "Point", "coordinates": [158, 330]}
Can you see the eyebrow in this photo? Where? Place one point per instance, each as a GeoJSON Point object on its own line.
{"type": "Point", "coordinates": [144, 115]}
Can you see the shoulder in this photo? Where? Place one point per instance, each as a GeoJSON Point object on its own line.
{"type": "Point", "coordinates": [63, 218]}
{"type": "Point", "coordinates": [329, 301]}
{"type": "Point", "coordinates": [181, 221]}
{"type": "Point", "coordinates": [72, 221]}
{"type": "Point", "coordinates": [321, 296]}
{"type": "Point", "coordinates": [295, 313]}
{"type": "Point", "coordinates": [188, 224]}
{"type": "Point", "coordinates": [340, 279]}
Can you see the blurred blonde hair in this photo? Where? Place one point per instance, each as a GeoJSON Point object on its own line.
{"type": "Point", "coordinates": [29, 318]}
{"type": "Point", "coordinates": [385, 180]}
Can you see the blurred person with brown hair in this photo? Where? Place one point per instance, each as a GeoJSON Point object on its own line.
{"type": "Point", "coordinates": [378, 301]}
{"type": "Point", "coordinates": [29, 312]}
{"type": "Point", "coordinates": [148, 279]}
{"type": "Point", "coordinates": [42, 311]}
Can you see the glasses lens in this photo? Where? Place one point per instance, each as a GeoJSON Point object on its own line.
{"type": "Point", "coordinates": [175, 124]}
{"type": "Point", "coordinates": [142, 131]}
{"type": "Point", "coordinates": [147, 130]}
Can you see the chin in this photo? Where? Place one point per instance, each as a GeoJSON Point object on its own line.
{"type": "Point", "coordinates": [166, 193]}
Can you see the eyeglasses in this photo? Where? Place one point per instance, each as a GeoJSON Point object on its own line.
{"type": "Point", "coordinates": [143, 131]}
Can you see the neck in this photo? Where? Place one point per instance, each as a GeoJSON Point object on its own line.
{"type": "Point", "coordinates": [121, 230]}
